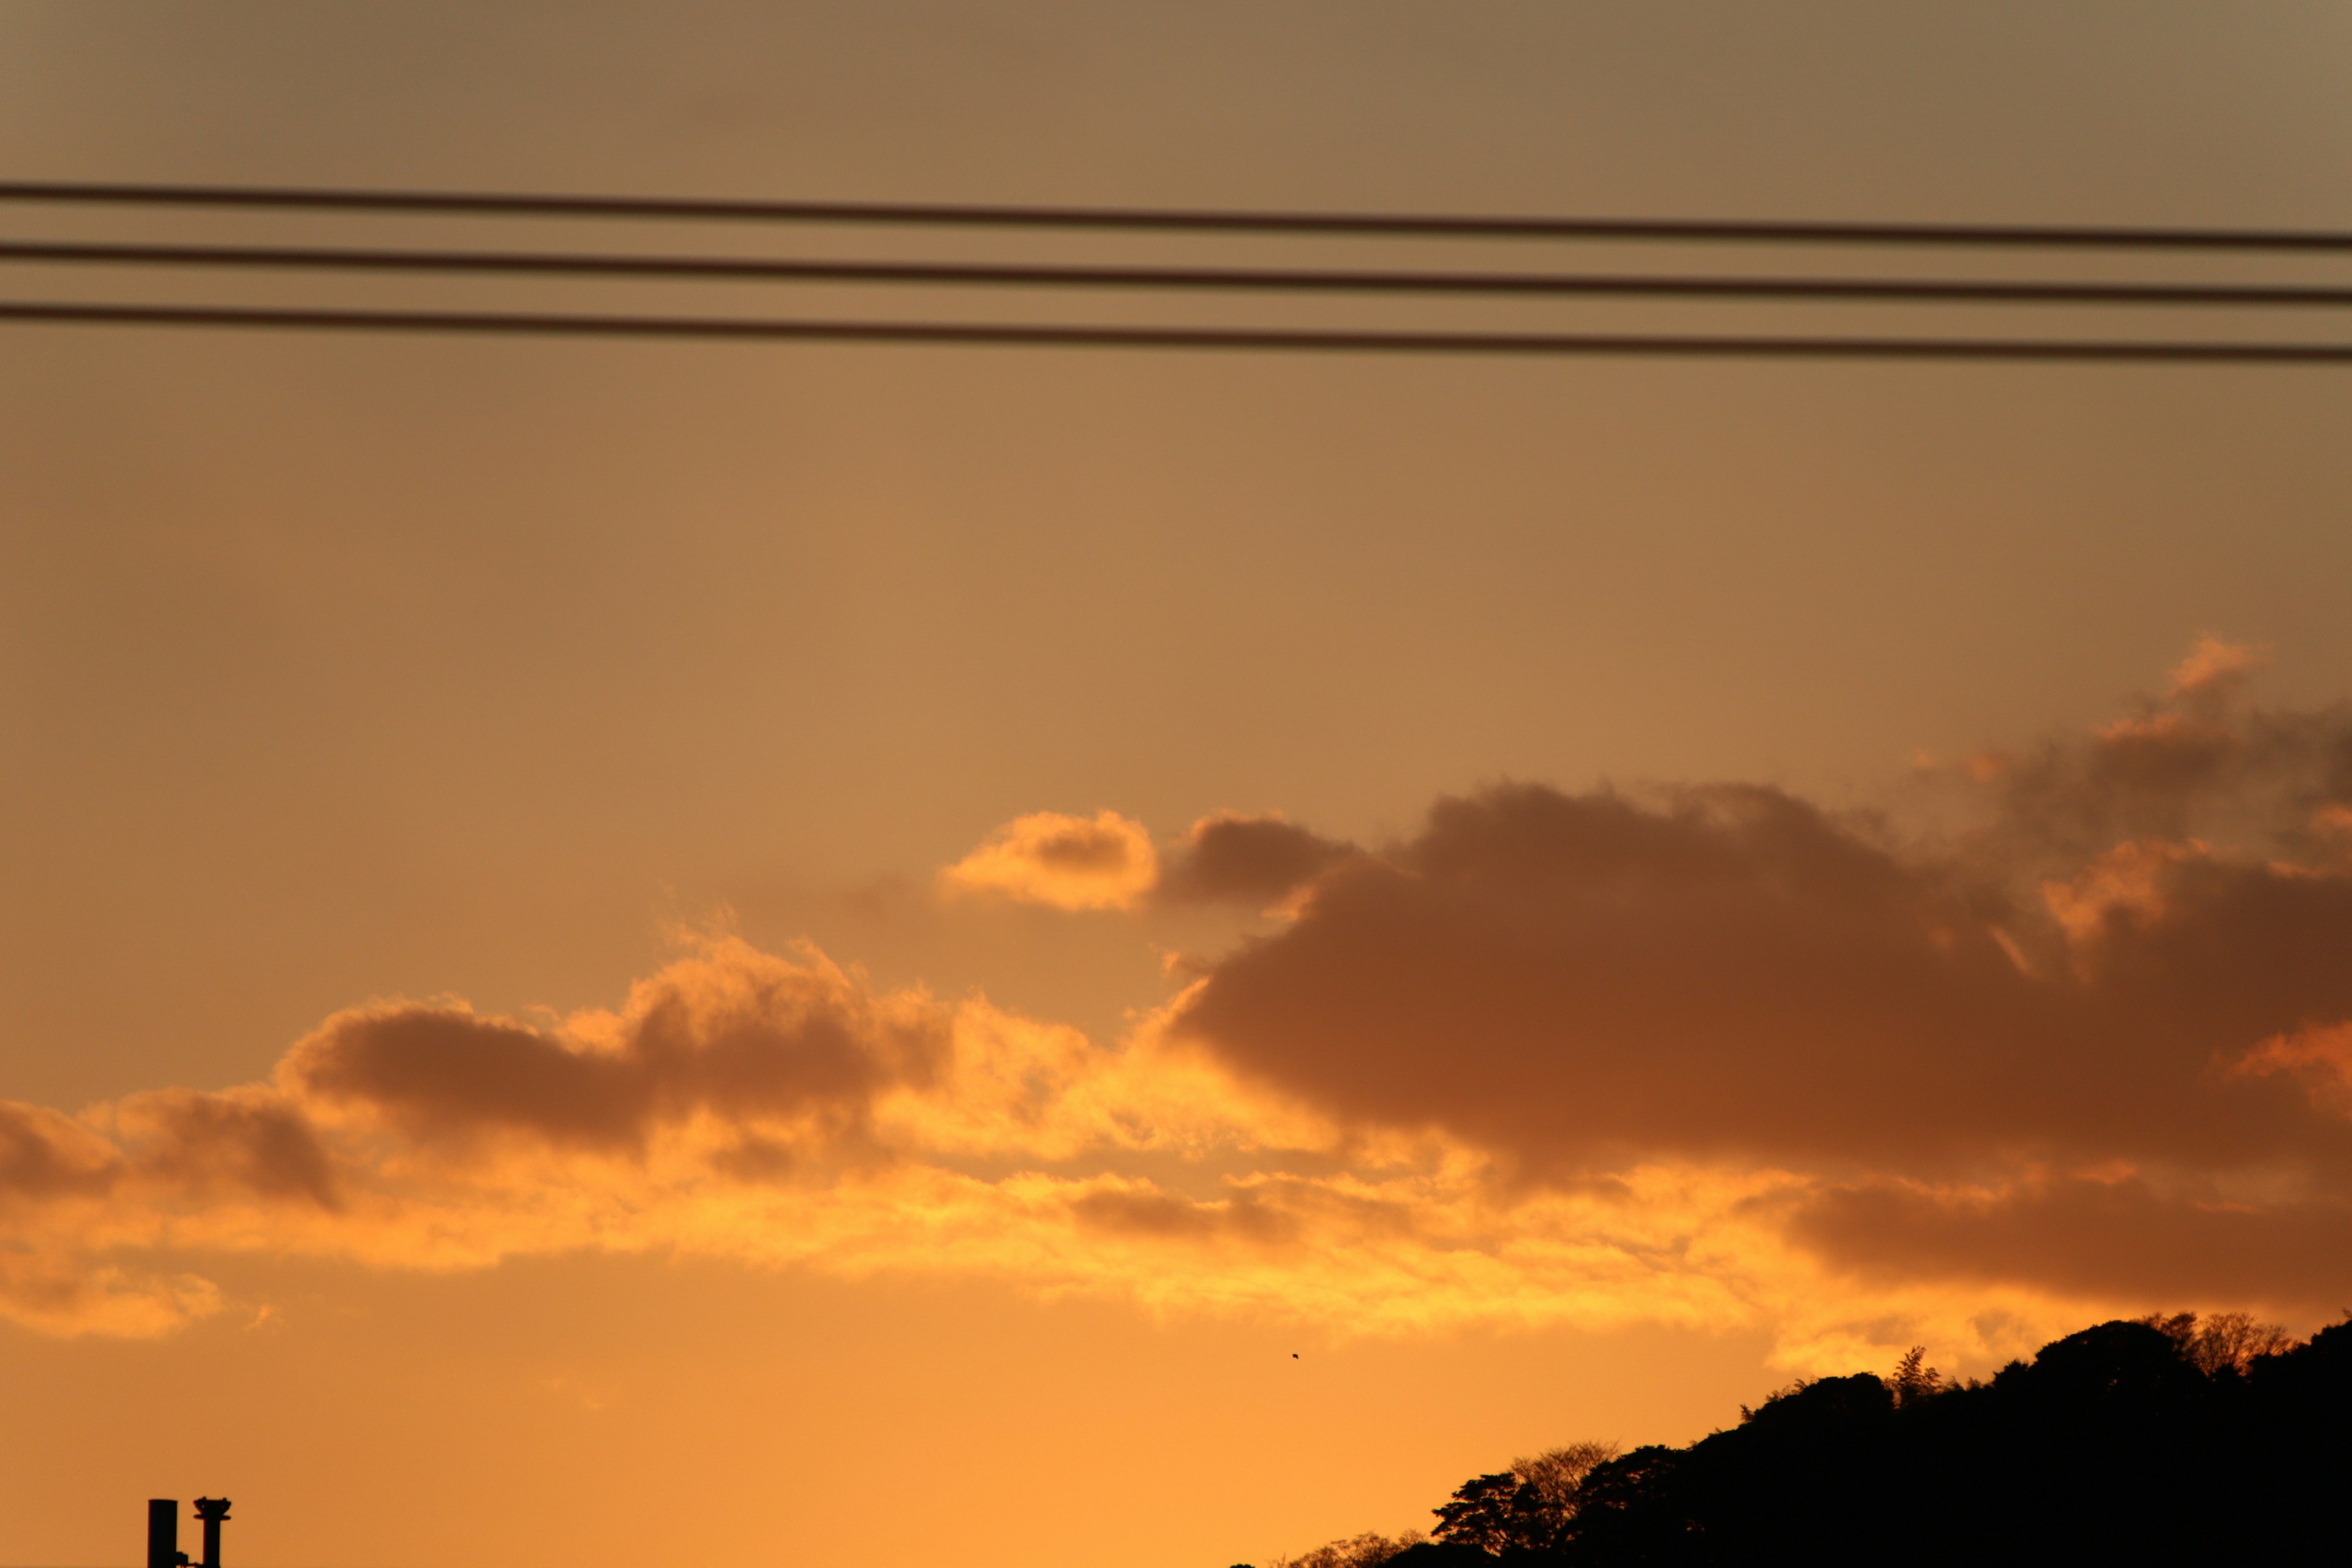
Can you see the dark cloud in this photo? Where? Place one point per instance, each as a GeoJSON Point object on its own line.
{"type": "Point", "coordinates": [755, 1160]}
{"type": "Point", "coordinates": [2113, 1239]}
{"type": "Point", "coordinates": [744, 1038]}
{"type": "Point", "coordinates": [1084, 846]}
{"type": "Point", "coordinates": [1733, 971]}
{"type": "Point", "coordinates": [2197, 765]}
{"type": "Point", "coordinates": [1163, 1216]}
{"type": "Point", "coordinates": [445, 1072]}
{"type": "Point", "coordinates": [2137, 962]}
{"type": "Point", "coordinates": [1246, 859]}
{"type": "Point", "coordinates": [254, 1141]}
{"type": "Point", "coordinates": [45, 1154]}
{"type": "Point", "coordinates": [1565, 976]}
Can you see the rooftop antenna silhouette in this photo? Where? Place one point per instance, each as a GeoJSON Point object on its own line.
{"type": "Point", "coordinates": [163, 1532]}
{"type": "Point", "coordinates": [212, 1510]}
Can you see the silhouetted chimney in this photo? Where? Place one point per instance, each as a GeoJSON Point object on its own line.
{"type": "Point", "coordinates": [212, 1510]}
{"type": "Point", "coordinates": [163, 1532]}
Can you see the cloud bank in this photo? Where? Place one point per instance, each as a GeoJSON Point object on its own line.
{"type": "Point", "coordinates": [1704, 1055]}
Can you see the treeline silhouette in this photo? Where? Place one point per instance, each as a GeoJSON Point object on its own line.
{"type": "Point", "coordinates": [2165, 1439]}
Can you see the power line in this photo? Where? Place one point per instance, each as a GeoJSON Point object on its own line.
{"type": "Point", "coordinates": [1424, 282]}
{"type": "Point", "coordinates": [1238, 279]}
{"type": "Point", "coordinates": [973, 215]}
{"type": "Point", "coordinates": [997, 335]}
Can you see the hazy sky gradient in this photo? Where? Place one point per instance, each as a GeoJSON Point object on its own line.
{"type": "Point", "coordinates": [333, 671]}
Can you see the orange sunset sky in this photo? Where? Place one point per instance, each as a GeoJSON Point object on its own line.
{"type": "Point", "coordinates": [657, 954]}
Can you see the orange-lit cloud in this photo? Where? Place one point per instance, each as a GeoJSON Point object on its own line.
{"type": "Point", "coordinates": [2126, 884]}
{"type": "Point", "coordinates": [1108, 862]}
{"type": "Point", "coordinates": [1704, 1055]}
{"type": "Point", "coordinates": [2214, 665]}
{"type": "Point", "coordinates": [1102, 862]}
{"type": "Point", "coordinates": [2319, 1057]}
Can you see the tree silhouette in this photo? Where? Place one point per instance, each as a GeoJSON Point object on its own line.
{"type": "Point", "coordinates": [1525, 1509]}
{"type": "Point", "coordinates": [1370, 1550]}
{"type": "Point", "coordinates": [2225, 1339]}
{"type": "Point", "coordinates": [2169, 1439]}
{"type": "Point", "coordinates": [1913, 1379]}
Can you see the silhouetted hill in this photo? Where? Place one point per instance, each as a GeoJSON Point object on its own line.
{"type": "Point", "coordinates": [2160, 1441]}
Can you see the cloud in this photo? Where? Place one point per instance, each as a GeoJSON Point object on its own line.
{"type": "Point", "coordinates": [45, 1154]}
{"type": "Point", "coordinates": [1700, 1055]}
{"type": "Point", "coordinates": [63, 1293]}
{"type": "Point", "coordinates": [2214, 665]}
{"type": "Point", "coordinates": [1733, 977]}
{"type": "Point", "coordinates": [2200, 763]}
{"type": "Point", "coordinates": [743, 1037]}
{"type": "Point", "coordinates": [245, 1140]}
{"type": "Point", "coordinates": [1103, 862]}
{"type": "Point", "coordinates": [2117, 1239]}
{"type": "Point", "coordinates": [777, 1108]}
{"type": "Point", "coordinates": [1731, 972]}
{"type": "Point", "coordinates": [1249, 859]}
{"type": "Point", "coordinates": [779, 1111]}
{"type": "Point", "coordinates": [1108, 861]}
{"type": "Point", "coordinates": [2320, 1060]}
{"type": "Point", "coordinates": [1579, 980]}
{"type": "Point", "coordinates": [1146, 1211]}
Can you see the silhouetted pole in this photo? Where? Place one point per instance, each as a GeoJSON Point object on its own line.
{"type": "Point", "coordinates": [212, 1510]}
{"type": "Point", "coordinates": [163, 1532]}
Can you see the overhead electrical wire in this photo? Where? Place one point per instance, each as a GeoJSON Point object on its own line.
{"type": "Point", "coordinates": [1237, 280]}
{"type": "Point", "coordinates": [973, 215]}
{"type": "Point", "coordinates": [116, 257]}
{"type": "Point", "coordinates": [1056, 335]}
